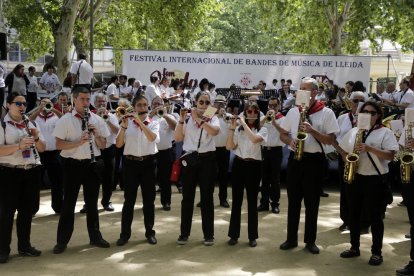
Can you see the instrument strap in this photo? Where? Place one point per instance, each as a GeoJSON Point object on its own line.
{"type": "Point", "coordinates": [364, 138]}
{"type": "Point", "coordinates": [402, 96]}
{"type": "Point", "coordinates": [78, 73]}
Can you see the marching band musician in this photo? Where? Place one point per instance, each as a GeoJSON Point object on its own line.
{"type": "Point", "coordinates": [223, 155]}
{"type": "Point", "coordinates": [272, 158]}
{"type": "Point", "coordinates": [246, 141]}
{"type": "Point", "coordinates": [73, 132]}
{"type": "Point", "coordinates": [302, 175]}
{"type": "Point", "coordinates": [19, 168]}
{"type": "Point", "coordinates": [376, 150]}
{"type": "Point", "coordinates": [199, 166]}
{"type": "Point", "coordinates": [346, 122]}
{"type": "Point", "coordinates": [62, 105]}
{"type": "Point", "coordinates": [139, 135]}
{"type": "Point", "coordinates": [46, 118]}
{"type": "Point", "coordinates": [165, 155]}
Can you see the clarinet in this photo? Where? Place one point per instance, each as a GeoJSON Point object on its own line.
{"type": "Point", "coordinates": [29, 134]}
{"type": "Point", "coordinates": [86, 127]}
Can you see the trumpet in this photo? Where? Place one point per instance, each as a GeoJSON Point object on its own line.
{"type": "Point", "coordinates": [102, 113]}
{"type": "Point", "coordinates": [48, 107]}
{"type": "Point", "coordinates": [300, 137]}
{"type": "Point", "coordinates": [269, 117]}
{"type": "Point", "coordinates": [160, 112]}
{"type": "Point", "coordinates": [122, 111]}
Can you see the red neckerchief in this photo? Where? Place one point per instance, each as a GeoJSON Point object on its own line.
{"type": "Point", "coordinates": [17, 125]}
{"type": "Point", "coordinates": [317, 106]}
{"type": "Point", "coordinates": [57, 107]}
{"type": "Point", "coordinates": [279, 115]}
{"type": "Point", "coordinates": [93, 111]}
{"type": "Point", "coordinates": [49, 114]}
{"type": "Point", "coordinates": [77, 115]}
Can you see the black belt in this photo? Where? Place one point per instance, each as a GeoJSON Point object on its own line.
{"type": "Point", "coordinates": [271, 148]}
{"type": "Point", "coordinates": [247, 159]}
{"type": "Point", "coordinates": [80, 161]}
{"type": "Point", "coordinates": [138, 158]}
{"type": "Point", "coordinates": [205, 154]}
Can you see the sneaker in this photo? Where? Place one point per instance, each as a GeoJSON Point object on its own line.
{"type": "Point", "coordinates": [350, 253]}
{"type": "Point", "coordinates": [406, 270]}
{"type": "Point", "coordinates": [275, 210]}
{"type": "Point", "coordinates": [208, 242]}
{"type": "Point", "coordinates": [375, 260]}
{"type": "Point", "coordinates": [199, 205]}
{"type": "Point", "coordinates": [407, 236]}
{"type": "Point", "coordinates": [100, 243]}
{"type": "Point", "coordinates": [166, 207]}
{"type": "Point", "coordinates": [30, 252]}
{"type": "Point", "coordinates": [323, 194]}
{"type": "Point", "coordinates": [182, 240]}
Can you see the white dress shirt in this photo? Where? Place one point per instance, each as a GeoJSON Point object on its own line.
{"type": "Point", "coordinates": [345, 125]}
{"type": "Point", "coordinates": [69, 128]}
{"type": "Point", "coordinates": [112, 90]}
{"type": "Point", "coordinates": [406, 97]}
{"type": "Point", "coordinates": [151, 92]}
{"type": "Point", "coordinates": [273, 135]}
{"type": "Point", "coordinates": [12, 136]}
{"type": "Point", "coordinates": [136, 143]}
{"type": "Point", "coordinates": [192, 135]}
{"type": "Point", "coordinates": [381, 138]}
{"type": "Point", "coordinates": [245, 147]}
{"type": "Point", "coordinates": [111, 140]}
{"type": "Point", "coordinates": [166, 133]}
{"type": "Point", "coordinates": [47, 125]}
{"type": "Point", "coordinates": [221, 138]}
{"type": "Point", "coordinates": [324, 121]}
{"type": "Point", "coordinates": [33, 85]}
{"type": "Point", "coordinates": [85, 72]}
{"type": "Point", "coordinates": [3, 73]}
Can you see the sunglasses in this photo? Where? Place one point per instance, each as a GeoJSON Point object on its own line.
{"type": "Point", "coordinates": [358, 101]}
{"type": "Point", "coordinates": [201, 102]}
{"type": "Point", "coordinates": [19, 104]}
{"type": "Point", "coordinates": [250, 111]}
{"type": "Point", "coordinates": [373, 113]}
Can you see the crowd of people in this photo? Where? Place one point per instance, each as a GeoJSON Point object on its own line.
{"type": "Point", "coordinates": [132, 135]}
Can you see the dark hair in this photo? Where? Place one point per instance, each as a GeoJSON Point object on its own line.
{"type": "Point", "coordinates": [351, 83]}
{"type": "Point", "coordinates": [289, 81]}
{"type": "Point", "coordinates": [273, 98]}
{"type": "Point", "coordinates": [274, 80]}
{"type": "Point", "coordinates": [67, 82]}
{"type": "Point", "coordinates": [263, 83]}
{"type": "Point", "coordinates": [201, 93]}
{"type": "Point", "coordinates": [17, 68]}
{"type": "Point", "coordinates": [164, 79]}
{"type": "Point", "coordinates": [282, 80]}
{"type": "Point", "coordinates": [11, 96]}
{"type": "Point", "coordinates": [82, 56]}
{"type": "Point", "coordinates": [31, 68]}
{"type": "Point", "coordinates": [138, 98]}
{"type": "Point", "coordinates": [123, 77]}
{"type": "Point", "coordinates": [342, 89]}
{"type": "Point", "coordinates": [62, 94]}
{"type": "Point", "coordinates": [114, 78]}
{"type": "Point", "coordinates": [79, 89]}
{"type": "Point", "coordinates": [202, 83]}
{"type": "Point", "coordinates": [211, 85]}
{"type": "Point", "coordinates": [358, 86]}
{"type": "Point", "coordinates": [406, 81]}
{"type": "Point", "coordinates": [153, 79]}
{"type": "Point", "coordinates": [131, 81]}
{"type": "Point", "coordinates": [49, 66]}
{"type": "Point", "coordinates": [378, 109]}
{"type": "Point", "coordinates": [255, 106]}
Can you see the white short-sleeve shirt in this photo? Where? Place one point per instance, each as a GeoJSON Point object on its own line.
{"type": "Point", "coordinates": [85, 71]}
{"type": "Point", "coordinates": [345, 124]}
{"type": "Point", "coordinates": [47, 126]}
{"type": "Point", "coordinates": [166, 133]}
{"type": "Point", "coordinates": [69, 128]}
{"type": "Point", "coordinates": [51, 82]}
{"type": "Point", "coordinates": [324, 121]}
{"type": "Point", "coordinates": [112, 90]}
{"type": "Point", "coordinates": [221, 138]}
{"type": "Point", "coordinates": [381, 138]}
{"type": "Point", "coordinates": [111, 140]}
{"type": "Point", "coordinates": [151, 92]}
{"type": "Point", "coordinates": [245, 147]}
{"type": "Point", "coordinates": [192, 135]}
{"type": "Point", "coordinates": [273, 135]}
{"type": "Point", "coordinates": [136, 143]}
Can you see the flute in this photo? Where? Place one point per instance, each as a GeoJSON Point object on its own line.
{"type": "Point", "coordinates": [86, 127]}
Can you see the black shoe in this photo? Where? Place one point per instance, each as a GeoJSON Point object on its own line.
{"type": "Point", "coordinates": [180, 189]}
{"type": "Point", "coordinates": [288, 245]}
{"type": "Point", "coordinates": [182, 240]}
{"type": "Point", "coordinates": [198, 205]}
{"type": "Point", "coordinates": [100, 243]}
{"type": "Point", "coordinates": [275, 210]}
{"type": "Point", "coordinates": [121, 241]}
{"type": "Point", "coordinates": [375, 260]}
{"type": "Point", "coordinates": [343, 227]}
{"type": "Point", "coordinates": [224, 204]}
{"type": "Point", "coordinates": [151, 240]}
{"type": "Point", "coordinates": [252, 243]}
{"type": "Point", "coordinates": [364, 230]}
{"type": "Point", "coordinates": [59, 248]}
{"type": "Point", "coordinates": [30, 252]}
{"type": "Point", "coordinates": [262, 208]}
{"type": "Point", "coordinates": [83, 210]}
{"type": "Point", "coordinates": [4, 259]}
{"type": "Point", "coordinates": [323, 194]}
{"type": "Point", "coordinates": [109, 207]}
{"type": "Point", "coordinates": [406, 270]}
{"type": "Point", "coordinates": [166, 207]}
{"type": "Point", "coordinates": [350, 253]}
{"type": "Point", "coordinates": [232, 241]}
{"type": "Point", "coordinates": [208, 242]}
{"type": "Point", "coordinates": [401, 204]}
{"type": "Point", "coordinates": [407, 236]}
{"type": "Point", "coordinates": [159, 190]}
{"type": "Point", "coordinates": [312, 248]}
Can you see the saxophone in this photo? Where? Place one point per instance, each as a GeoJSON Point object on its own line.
{"type": "Point", "coordinates": [407, 157]}
{"type": "Point", "coordinates": [300, 137]}
{"type": "Point", "coordinates": [352, 159]}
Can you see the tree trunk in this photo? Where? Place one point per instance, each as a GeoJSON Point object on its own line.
{"type": "Point", "coordinates": [63, 34]}
{"type": "Point", "coordinates": [335, 45]}
{"type": "Point", "coordinates": [81, 42]}
{"type": "Point", "coordinates": [412, 76]}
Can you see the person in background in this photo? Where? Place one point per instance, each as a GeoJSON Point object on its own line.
{"type": "Point", "coordinates": [17, 81]}
{"type": "Point", "coordinates": [50, 81]}
{"type": "Point", "coordinates": [32, 89]}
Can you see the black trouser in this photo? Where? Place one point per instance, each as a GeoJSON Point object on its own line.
{"type": "Point", "coordinates": [31, 100]}
{"type": "Point", "coordinates": [107, 175]}
{"type": "Point", "coordinates": [75, 174]}
{"type": "Point", "coordinates": [304, 183]}
{"type": "Point", "coordinates": [50, 159]}
{"type": "Point", "coordinates": [409, 202]}
{"type": "Point", "coordinates": [138, 173]}
{"type": "Point", "coordinates": [367, 192]}
{"type": "Point", "coordinates": [119, 153]}
{"type": "Point", "coordinates": [165, 159]}
{"type": "Point", "coordinates": [223, 158]}
{"type": "Point", "coordinates": [272, 162]}
{"type": "Point", "coordinates": [245, 175]}
{"type": "Point", "coordinates": [202, 173]}
{"type": "Point", "coordinates": [19, 189]}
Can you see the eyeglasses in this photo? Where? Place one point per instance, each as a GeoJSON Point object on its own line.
{"type": "Point", "coordinates": [358, 101]}
{"type": "Point", "coordinates": [250, 111]}
{"type": "Point", "coordinates": [201, 102]}
{"type": "Point", "coordinates": [373, 113]}
{"type": "Point", "coordinates": [19, 104]}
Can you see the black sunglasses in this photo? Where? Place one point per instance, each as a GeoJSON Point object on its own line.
{"type": "Point", "coordinates": [201, 102]}
{"type": "Point", "coordinates": [19, 104]}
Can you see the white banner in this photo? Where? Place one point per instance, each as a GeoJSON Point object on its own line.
{"type": "Point", "coordinates": [244, 70]}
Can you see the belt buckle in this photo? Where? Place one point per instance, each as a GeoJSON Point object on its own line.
{"type": "Point", "coordinates": [140, 158]}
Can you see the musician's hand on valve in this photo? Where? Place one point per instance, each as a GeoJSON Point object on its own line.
{"type": "Point", "coordinates": [153, 112]}
{"type": "Point", "coordinates": [363, 147]}
{"type": "Point", "coordinates": [292, 144]}
{"type": "Point", "coordinates": [93, 129]}
{"type": "Point", "coordinates": [194, 113]}
{"type": "Point", "coordinates": [84, 138]}
{"type": "Point", "coordinates": [410, 143]}
{"type": "Point", "coordinates": [26, 143]}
